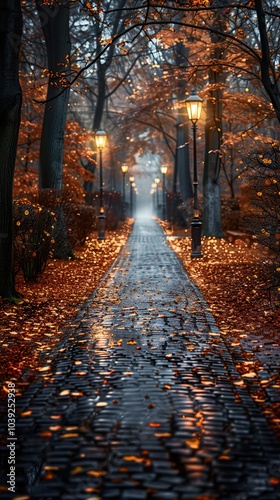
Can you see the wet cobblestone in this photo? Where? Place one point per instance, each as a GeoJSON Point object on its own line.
{"type": "Point", "coordinates": [142, 399]}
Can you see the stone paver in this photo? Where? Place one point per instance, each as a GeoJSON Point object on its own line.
{"type": "Point", "coordinates": [142, 399]}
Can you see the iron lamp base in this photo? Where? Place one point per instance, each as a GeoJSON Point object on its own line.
{"type": "Point", "coordinates": [101, 227]}
{"type": "Point", "coordinates": [196, 227]}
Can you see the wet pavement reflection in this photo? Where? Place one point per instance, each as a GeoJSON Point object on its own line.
{"type": "Point", "coordinates": [142, 400]}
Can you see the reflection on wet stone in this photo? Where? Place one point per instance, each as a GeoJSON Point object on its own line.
{"type": "Point", "coordinates": [143, 402]}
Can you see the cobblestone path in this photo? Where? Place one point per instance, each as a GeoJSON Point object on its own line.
{"type": "Point", "coordinates": [142, 399]}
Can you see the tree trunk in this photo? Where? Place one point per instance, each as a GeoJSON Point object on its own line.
{"type": "Point", "coordinates": [100, 103]}
{"type": "Point", "coordinates": [101, 96]}
{"type": "Point", "coordinates": [270, 78]}
{"type": "Point", "coordinates": [183, 160]}
{"type": "Point", "coordinates": [183, 157]}
{"type": "Point", "coordinates": [10, 108]}
{"type": "Point", "coordinates": [117, 25]}
{"type": "Point", "coordinates": [212, 224]}
{"type": "Point", "coordinates": [55, 26]}
{"type": "Point", "coordinates": [102, 66]}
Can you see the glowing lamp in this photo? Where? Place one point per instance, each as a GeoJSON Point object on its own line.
{"type": "Point", "coordinates": [124, 168]}
{"type": "Point", "coordinates": [194, 106]}
{"type": "Point", "coordinates": [100, 139]}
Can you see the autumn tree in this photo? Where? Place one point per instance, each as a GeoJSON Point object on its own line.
{"type": "Point", "coordinates": [110, 58]}
{"type": "Point", "coordinates": [252, 55]}
{"type": "Point", "coordinates": [26, 171]}
{"type": "Point", "coordinates": [10, 107]}
{"type": "Point", "coordinates": [181, 56]}
{"type": "Point", "coordinates": [149, 111]}
{"type": "Point", "coordinates": [54, 17]}
{"type": "Point", "coordinates": [224, 52]}
{"type": "Point", "coordinates": [243, 132]}
{"type": "Point", "coordinates": [105, 27]}
{"type": "Point", "coordinates": [263, 218]}
{"type": "Point", "coordinates": [224, 22]}
{"type": "Point", "coordinates": [256, 52]}
{"type": "Point", "coordinates": [34, 80]}
{"type": "Point", "coordinates": [268, 20]}
{"type": "Point", "coordinates": [212, 224]}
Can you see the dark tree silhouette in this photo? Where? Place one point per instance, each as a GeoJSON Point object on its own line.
{"type": "Point", "coordinates": [10, 108]}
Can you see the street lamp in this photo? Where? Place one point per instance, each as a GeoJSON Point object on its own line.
{"type": "Point", "coordinates": [157, 181]}
{"type": "Point", "coordinates": [153, 192]}
{"type": "Point", "coordinates": [131, 180]}
{"type": "Point", "coordinates": [124, 168]}
{"type": "Point", "coordinates": [100, 139]}
{"type": "Point", "coordinates": [163, 170]}
{"type": "Point", "coordinates": [194, 105]}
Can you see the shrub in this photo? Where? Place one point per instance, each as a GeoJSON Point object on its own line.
{"type": "Point", "coordinates": [230, 212]}
{"type": "Point", "coordinates": [174, 215]}
{"type": "Point", "coordinates": [57, 202]}
{"type": "Point", "coordinates": [264, 206]}
{"type": "Point", "coordinates": [81, 222]}
{"type": "Point", "coordinates": [33, 239]}
{"type": "Point", "coordinates": [113, 207]}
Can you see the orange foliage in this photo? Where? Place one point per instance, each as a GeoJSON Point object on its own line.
{"type": "Point", "coordinates": [77, 146]}
{"type": "Point", "coordinates": [234, 284]}
{"type": "Point", "coordinates": [31, 329]}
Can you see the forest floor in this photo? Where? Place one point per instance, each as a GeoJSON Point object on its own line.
{"type": "Point", "coordinates": [231, 277]}
{"type": "Point", "coordinates": [235, 283]}
{"type": "Point", "coordinates": [30, 329]}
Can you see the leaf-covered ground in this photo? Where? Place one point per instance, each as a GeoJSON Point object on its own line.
{"type": "Point", "coordinates": [231, 277]}
{"type": "Point", "coordinates": [31, 328]}
{"type": "Point", "coordinates": [234, 281]}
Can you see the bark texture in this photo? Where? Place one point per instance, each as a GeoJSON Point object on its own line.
{"type": "Point", "coordinates": [182, 156]}
{"type": "Point", "coordinates": [10, 108]}
{"type": "Point", "coordinates": [104, 63]}
{"type": "Point", "coordinates": [55, 25]}
{"type": "Point", "coordinates": [269, 73]}
{"type": "Point", "coordinates": [183, 161]}
{"type": "Point", "coordinates": [212, 224]}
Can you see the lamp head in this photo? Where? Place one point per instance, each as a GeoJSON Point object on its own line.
{"type": "Point", "coordinates": [163, 169]}
{"type": "Point", "coordinates": [100, 139]}
{"type": "Point", "coordinates": [124, 168]}
{"type": "Point", "coordinates": [194, 106]}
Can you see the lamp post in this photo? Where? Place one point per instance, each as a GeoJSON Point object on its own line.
{"type": "Point", "coordinates": [131, 180]}
{"type": "Point", "coordinates": [163, 170]}
{"type": "Point", "coordinates": [153, 192]}
{"type": "Point", "coordinates": [157, 181]}
{"type": "Point", "coordinates": [100, 139]}
{"type": "Point", "coordinates": [124, 168]}
{"type": "Point", "coordinates": [194, 105]}
{"type": "Point", "coordinates": [133, 186]}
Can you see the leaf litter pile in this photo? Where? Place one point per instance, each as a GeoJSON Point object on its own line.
{"type": "Point", "coordinates": [31, 328]}
{"type": "Point", "coordinates": [234, 282]}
